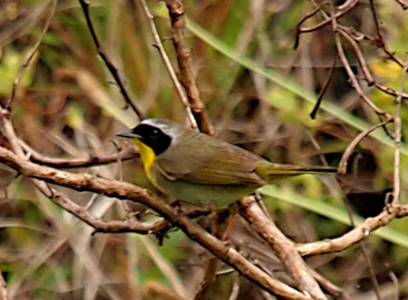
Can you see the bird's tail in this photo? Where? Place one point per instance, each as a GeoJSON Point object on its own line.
{"type": "Point", "coordinates": [272, 173]}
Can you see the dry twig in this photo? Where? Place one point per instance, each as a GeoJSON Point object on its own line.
{"type": "Point", "coordinates": [346, 7]}
{"type": "Point", "coordinates": [355, 235]}
{"type": "Point", "coordinates": [109, 64]}
{"type": "Point", "coordinates": [68, 163]}
{"type": "Point", "coordinates": [158, 44]}
{"type": "Point", "coordinates": [342, 169]}
{"type": "Point", "coordinates": [397, 137]}
{"type": "Point", "coordinates": [282, 246]}
{"type": "Point", "coordinates": [350, 73]}
{"type": "Point", "coordinates": [176, 12]}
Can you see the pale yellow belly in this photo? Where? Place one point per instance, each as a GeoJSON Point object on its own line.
{"type": "Point", "coordinates": [216, 196]}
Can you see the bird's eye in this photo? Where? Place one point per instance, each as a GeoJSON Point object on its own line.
{"type": "Point", "coordinates": [154, 134]}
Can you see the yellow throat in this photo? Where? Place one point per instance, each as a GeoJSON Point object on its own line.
{"type": "Point", "coordinates": [147, 154]}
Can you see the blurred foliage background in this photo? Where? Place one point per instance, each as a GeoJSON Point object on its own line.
{"type": "Point", "coordinates": [259, 92]}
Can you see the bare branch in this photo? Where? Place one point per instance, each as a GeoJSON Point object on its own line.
{"type": "Point", "coordinates": [158, 44]}
{"type": "Point", "coordinates": [68, 163]}
{"type": "Point", "coordinates": [390, 91]}
{"type": "Point", "coordinates": [126, 191]}
{"type": "Point", "coordinates": [109, 64]}
{"type": "Point", "coordinates": [380, 37]}
{"type": "Point", "coordinates": [350, 73]}
{"type": "Point", "coordinates": [342, 169]}
{"type": "Point", "coordinates": [360, 57]}
{"type": "Point", "coordinates": [352, 237]}
{"type": "Point", "coordinates": [346, 7]}
{"type": "Point", "coordinates": [397, 137]}
{"type": "Point", "coordinates": [282, 246]}
{"type": "Point", "coordinates": [176, 11]}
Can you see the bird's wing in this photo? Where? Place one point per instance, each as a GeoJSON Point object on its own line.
{"type": "Point", "coordinates": [212, 162]}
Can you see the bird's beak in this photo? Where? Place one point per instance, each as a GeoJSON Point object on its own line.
{"type": "Point", "coordinates": [128, 134]}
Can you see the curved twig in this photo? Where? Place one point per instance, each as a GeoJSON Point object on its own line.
{"type": "Point", "coordinates": [109, 64]}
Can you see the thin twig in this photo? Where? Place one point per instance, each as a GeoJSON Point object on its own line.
{"type": "Point", "coordinates": [212, 263]}
{"type": "Point", "coordinates": [338, 29]}
{"type": "Point", "coordinates": [363, 248]}
{"type": "Point", "coordinates": [158, 44]}
{"type": "Point", "coordinates": [340, 52]}
{"type": "Point", "coordinates": [210, 270]}
{"type": "Point", "coordinates": [350, 5]}
{"type": "Point", "coordinates": [176, 12]}
{"type": "Point", "coordinates": [390, 91]}
{"type": "Point", "coordinates": [68, 163]}
{"type": "Point", "coordinates": [373, 276]}
{"type": "Point", "coordinates": [359, 55]}
{"type": "Point", "coordinates": [397, 137]}
{"type": "Point", "coordinates": [380, 37]}
{"type": "Point", "coordinates": [353, 236]}
{"type": "Point", "coordinates": [350, 73]}
{"type": "Point", "coordinates": [323, 91]}
{"type": "Point", "coordinates": [342, 169]}
{"type": "Point", "coordinates": [109, 64]}
{"type": "Point", "coordinates": [24, 67]}
{"type": "Point", "coordinates": [329, 287]}
{"type": "Point", "coordinates": [309, 15]}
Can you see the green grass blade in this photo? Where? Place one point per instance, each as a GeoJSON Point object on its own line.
{"type": "Point", "coordinates": [289, 85]}
{"type": "Point", "coordinates": [335, 213]}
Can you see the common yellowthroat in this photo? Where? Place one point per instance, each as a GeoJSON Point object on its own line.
{"type": "Point", "coordinates": [200, 169]}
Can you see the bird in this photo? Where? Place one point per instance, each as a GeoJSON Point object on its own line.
{"type": "Point", "coordinates": [200, 169]}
